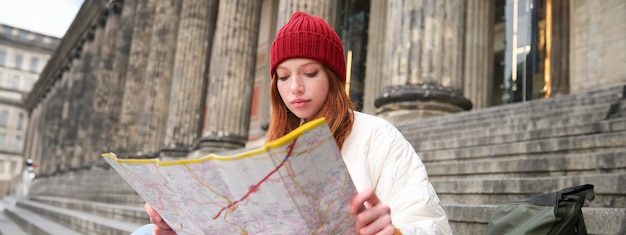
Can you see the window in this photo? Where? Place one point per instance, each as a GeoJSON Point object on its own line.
{"type": "Point", "coordinates": [353, 32]}
{"type": "Point", "coordinates": [20, 121]}
{"type": "Point", "coordinates": [28, 83]}
{"type": "Point", "coordinates": [3, 55]}
{"type": "Point", "coordinates": [19, 144]}
{"type": "Point", "coordinates": [4, 118]}
{"type": "Point", "coordinates": [14, 167]}
{"type": "Point", "coordinates": [34, 65]}
{"type": "Point", "coordinates": [518, 67]}
{"type": "Point", "coordinates": [18, 61]}
{"type": "Point", "coordinates": [3, 138]}
{"type": "Point", "coordinates": [15, 82]}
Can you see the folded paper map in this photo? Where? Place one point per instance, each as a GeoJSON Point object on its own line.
{"type": "Point", "coordinates": [298, 184]}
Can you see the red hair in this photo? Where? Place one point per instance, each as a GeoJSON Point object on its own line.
{"type": "Point", "coordinates": [337, 110]}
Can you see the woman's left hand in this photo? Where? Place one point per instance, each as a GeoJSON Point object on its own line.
{"type": "Point", "coordinates": [374, 218]}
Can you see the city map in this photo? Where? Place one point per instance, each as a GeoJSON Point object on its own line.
{"type": "Point", "coordinates": [298, 184]}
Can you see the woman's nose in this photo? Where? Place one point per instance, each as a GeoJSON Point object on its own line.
{"type": "Point", "coordinates": [297, 86]}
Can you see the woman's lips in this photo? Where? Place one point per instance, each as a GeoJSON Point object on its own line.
{"type": "Point", "coordinates": [299, 103]}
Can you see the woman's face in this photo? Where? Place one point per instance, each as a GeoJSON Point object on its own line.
{"type": "Point", "coordinates": [303, 86]}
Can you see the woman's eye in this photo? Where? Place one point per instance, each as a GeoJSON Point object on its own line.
{"type": "Point", "coordinates": [283, 78]}
{"type": "Point", "coordinates": [313, 74]}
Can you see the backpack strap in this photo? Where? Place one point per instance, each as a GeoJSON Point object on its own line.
{"type": "Point", "coordinates": [583, 192]}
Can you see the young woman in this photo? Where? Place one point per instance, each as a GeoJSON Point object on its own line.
{"type": "Point", "coordinates": [308, 72]}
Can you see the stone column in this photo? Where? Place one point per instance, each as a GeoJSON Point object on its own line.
{"type": "Point", "coordinates": [85, 148]}
{"type": "Point", "coordinates": [79, 100]}
{"type": "Point", "coordinates": [322, 8]}
{"type": "Point", "coordinates": [478, 59]}
{"type": "Point", "coordinates": [57, 122]}
{"type": "Point", "coordinates": [155, 89]}
{"type": "Point", "coordinates": [33, 136]}
{"type": "Point", "coordinates": [374, 79]}
{"type": "Point", "coordinates": [67, 123]}
{"type": "Point", "coordinates": [423, 54]}
{"type": "Point", "coordinates": [31, 132]}
{"type": "Point", "coordinates": [197, 23]}
{"type": "Point", "coordinates": [117, 82]}
{"type": "Point", "coordinates": [100, 124]}
{"type": "Point", "coordinates": [231, 76]}
{"type": "Point", "coordinates": [135, 78]}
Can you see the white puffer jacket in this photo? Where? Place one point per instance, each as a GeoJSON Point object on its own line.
{"type": "Point", "coordinates": [378, 156]}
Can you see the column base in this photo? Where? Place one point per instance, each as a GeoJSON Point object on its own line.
{"type": "Point", "coordinates": [174, 152]}
{"type": "Point", "coordinates": [411, 101]}
{"type": "Point", "coordinates": [211, 144]}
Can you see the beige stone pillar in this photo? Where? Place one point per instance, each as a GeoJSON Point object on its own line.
{"type": "Point", "coordinates": [31, 132]}
{"type": "Point", "coordinates": [32, 143]}
{"type": "Point", "coordinates": [322, 8]}
{"type": "Point", "coordinates": [67, 125]}
{"type": "Point", "coordinates": [197, 24]}
{"type": "Point", "coordinates": [117, 82]}
{"type": "Point", "coordinates": [374, 79]}
{"type": "Point", "coordinates": [54, 115]}
{"type": "Point", "coordinates": [155, 89]}
{"type": "Point", "coordinates": [79, 100]}
{"type": "Point", "coordinates": [423, 60]}
{"type": "Point", "coordinates": [231, 76]}
{"type": "Point", "coordinates": [135, 77]}
{"type": "Point", "coordinates": [84, 146]}
{"type": "Point", "coordinates": [104, 82]}
{"type": "Point", "coordinates": [477, 72]}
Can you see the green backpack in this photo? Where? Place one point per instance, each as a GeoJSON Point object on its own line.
{"type": "Point", "coordinates": [552, 213]}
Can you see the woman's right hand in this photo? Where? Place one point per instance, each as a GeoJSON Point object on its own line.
{"type": "Point", "coordinates": [160, 227]}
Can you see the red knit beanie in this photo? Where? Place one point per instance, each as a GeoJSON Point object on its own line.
{"type": "Point", "coordinates": [306, 36]}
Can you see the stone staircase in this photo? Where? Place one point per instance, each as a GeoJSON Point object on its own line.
{"type": "Point", "coordinates": [482, 158]}
{"type": "Point", "coordinates": [88, 201]}
{"type": "Point", "coordinates": [476, 160]}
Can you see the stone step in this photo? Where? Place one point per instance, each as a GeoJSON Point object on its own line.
{"type": "Point", "coordinates": [132, 214]}
{"type": "Point", "coordinates": [35, 224]}
{"type": "Point", "coordinates": [7, 226]}
{"type": "Point", "coordinates": [537, 107]}
{"type": "Point", "coordinates": [582, 143]}
{"type": "Point", "coordinates": [609, 188]}
{"type": "Point", "coordinates": [473, 219]}
{"type": "Point", "coordinates": [478, 137]}
{"type": "Point", "coordinates": [100, 186]}
{"type": "Point", "coordinates": [120, 199]}
{"type": "Point", "coordinates": [534, 119]}
{"type": "Point", "coordinates": [108, 178]}
{"type": "Point", "coordinates": [544, 165]}
{"type": "Point", "coordinates": [68, 189]}
{"type": "Point", "coordinates": [85, 223]}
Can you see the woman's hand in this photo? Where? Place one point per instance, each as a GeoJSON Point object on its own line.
{"type": "Point", "coordinates": [374, 218]}
{"type": "Point", "coordinates": [160, 227]}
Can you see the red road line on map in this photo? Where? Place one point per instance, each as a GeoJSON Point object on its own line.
{"type": "Point", "coordinates": [255, 187]}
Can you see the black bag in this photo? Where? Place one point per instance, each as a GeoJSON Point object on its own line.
{"type": "Point", "coordinates": [552, 213]}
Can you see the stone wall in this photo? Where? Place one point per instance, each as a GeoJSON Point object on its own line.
{"type": "Point", "coordinates": [597, 44]}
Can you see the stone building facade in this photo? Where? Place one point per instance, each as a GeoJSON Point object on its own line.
{"type": "Point", "coordinates": [170, 78]}
{"type": "Point", "coordinates": [23, 54]}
